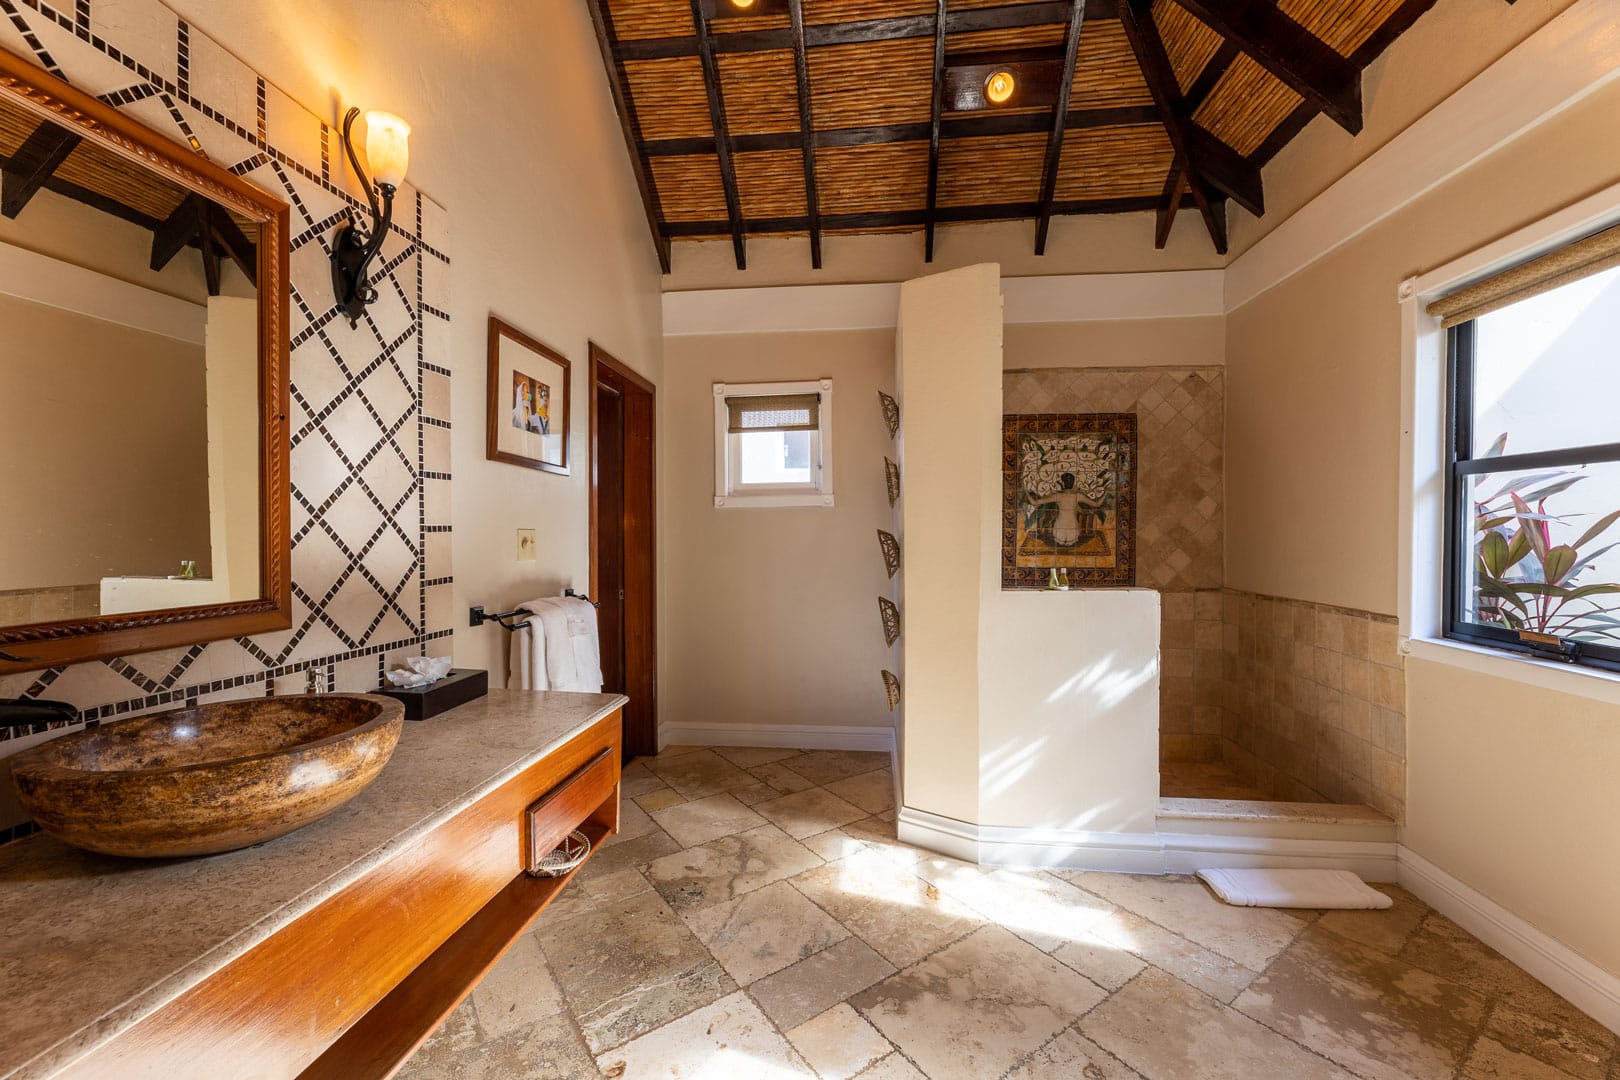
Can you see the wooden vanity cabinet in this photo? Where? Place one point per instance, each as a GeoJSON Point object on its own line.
{"type": "Point", "coordinates": [351, 988]}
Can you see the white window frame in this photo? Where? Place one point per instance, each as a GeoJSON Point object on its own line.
{"type": "Point", "coordinates": [1423, 463]}
{"type": "Point", "coordinates": [730, 495]}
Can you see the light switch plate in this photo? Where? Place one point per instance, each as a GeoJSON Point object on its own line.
{"type": "Point", "coordinates": [526, 548]}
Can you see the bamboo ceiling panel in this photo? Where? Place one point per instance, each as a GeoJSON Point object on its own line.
{"type": "Point", "coordinates": [870, 69]}
{"type": "Point", "coordinates": [1246, 105]}
{"type": "Point", "coordinates": [1189, 43]}
{"type": "Point", "coordinates": [885, 177]}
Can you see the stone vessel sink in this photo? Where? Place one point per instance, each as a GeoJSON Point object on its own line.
{"type": "Point", "coordinates": [210, 778]}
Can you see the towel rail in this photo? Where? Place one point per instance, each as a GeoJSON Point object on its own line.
{"type": "Point", "coordinates": [477, 616]}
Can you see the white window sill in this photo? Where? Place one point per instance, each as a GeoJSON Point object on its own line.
{"type": "Point", "coordinates": [1593, 683]}
{"type": "Point", "coordinates": [808, 498]}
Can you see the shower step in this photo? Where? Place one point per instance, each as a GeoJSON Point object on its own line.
{"type": "Point", "coordinates": [1278, 820]}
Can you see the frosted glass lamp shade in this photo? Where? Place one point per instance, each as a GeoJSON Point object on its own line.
{"type": "Point", "coordinates": [388, 147]}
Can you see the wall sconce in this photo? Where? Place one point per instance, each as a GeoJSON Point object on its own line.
{"type": "Point", "coordinates": [388, 151]}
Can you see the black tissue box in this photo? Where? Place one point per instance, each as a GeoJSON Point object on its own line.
{"type": "Point", "coordinates": [457, 688]}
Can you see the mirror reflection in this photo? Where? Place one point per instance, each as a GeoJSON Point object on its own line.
{"type": "Point", "coordinates": [129, 396]}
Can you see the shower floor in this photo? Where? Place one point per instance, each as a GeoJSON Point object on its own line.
{"type": "Point", "coordinates": [1203, 780]}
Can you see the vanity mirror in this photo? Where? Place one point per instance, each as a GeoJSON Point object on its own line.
{"type": "Point", "coordinates": [143, 386]}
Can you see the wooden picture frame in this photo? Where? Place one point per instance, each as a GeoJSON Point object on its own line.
{"type": "Point", "coordinates": [527, 422]}
{"type": "Point", "coordinates": [56, 644]}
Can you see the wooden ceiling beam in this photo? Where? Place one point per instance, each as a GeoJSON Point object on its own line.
{"type": "Point", "coordinates": [631, 127]}
{"type": "Point", "coordinates": [807, 131]}
{"type": "Point", "coordinates": [937, 108]}
{"type": "Point", "coordinates": [1169, 203]}
{"type": "Point", "coordinates": [234, 243]}
{"type": "Point", "coordinates": [174, 233]}
{"type": "Point", "coordinates": [1010, 17]}
{"type": "Point", "coordinates": [965, 127]}
{"type": "Point", "coordinates": [1304, 62]}
{"type": "Point", "coordinates": [722, 140]}
{"type": "Point", "coordinates": [1060, 116]}
{"type": "Point", "coordinates": [35, 160]}
{"type": "Point", "coordinates": [1143, 34]}
{"type": "Point", "coordinates": [892, 219]}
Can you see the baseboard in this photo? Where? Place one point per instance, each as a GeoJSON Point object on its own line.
{"type": "Point", "coordinates": [1591, 989]}
{"type": "Point", "coordinates": [796, 736]}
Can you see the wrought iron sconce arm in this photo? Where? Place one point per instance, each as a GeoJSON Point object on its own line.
{"type": "Point", "coordinates": [355, 248]}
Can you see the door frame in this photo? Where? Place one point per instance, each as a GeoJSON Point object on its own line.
{"type": "Point", "coordinates": [640, 539]}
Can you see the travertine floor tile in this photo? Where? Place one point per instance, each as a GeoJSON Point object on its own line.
{"type": "Point", "coordinates": [1072, 1056]}
{"type": "Point", "coordinates": [764, 931]}
{"type": "Point", "coordinates": [839, 1043]}
{"type": "Point", "coordinates": [977, 971]}
{"type": "Point", "coordinates": [728, 867]}
{"type": "Point", "coordinates": [899, 914]}
{"type": "Point", "coordinates": [629, 967]}
{"type": "Point", "coordinates": [1166, 1030]}
{"type": "Point", "coordinates": [699, 774]}
{"type": "Point", "coordinates": [811, 987]}
{"type": "Point", "coordinates": [829, 766]}
{"type": "Point", "coordinates": [729, 1040]}
{"type": "Point", "coordinates": [1373, 1014]}
{"type": "Point", "coordinates": [872, 792]}
{"type": "Point", "coordinates": [805, 813]}
{"type": "Point", "coordinates": [978, 1007]}
{"type": "Point", "coordinates": [701, 820]}
{"type": "Point", "coordinates": [746, 757]}
{"type": "Point", "coordinates": [1251, 936]}
{"type": "Point", "coordinates": [780, 777]}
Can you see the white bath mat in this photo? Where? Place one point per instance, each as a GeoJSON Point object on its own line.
{"type": "Point", "coordinates": [1294, 889]}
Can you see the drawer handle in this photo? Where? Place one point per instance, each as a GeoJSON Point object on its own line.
{"type": "Point", "coordinates": [566, 806]}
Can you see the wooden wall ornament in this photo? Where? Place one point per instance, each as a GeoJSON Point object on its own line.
{"type": "Point", "coordinates": [891, 689]}
{"type": "Point", "coordinates": [891, 477]}
{"type": "Point", "coordinates": [891, 620]}
{"type": "Point", "coordinates": [891, 552]}
{"type": "Point", "coordinates": [891, 413]}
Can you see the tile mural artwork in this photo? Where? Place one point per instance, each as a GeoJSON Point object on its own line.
{"type": "Point", "coordinates": [1069, 499]}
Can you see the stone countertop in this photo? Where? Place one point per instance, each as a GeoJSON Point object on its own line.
{"type": "Point", "coordinates": [91, 944]}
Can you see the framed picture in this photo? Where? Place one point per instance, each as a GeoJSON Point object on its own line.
{"type": "Point", "coordinates": [528, 401]}
{"type": "Point", "coordinates": [1068, 499]}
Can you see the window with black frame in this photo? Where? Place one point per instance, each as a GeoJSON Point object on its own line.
{"type": "Point", "coordinates": [1533, 449]}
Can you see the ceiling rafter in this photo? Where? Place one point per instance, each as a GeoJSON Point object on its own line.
{"type": "Point", "coordinates": [944, 215]}
{"type": "Point", "coordinates": [937, 108]}
{"type": "Point", "coordinates": [1012, 17]}
{"type": "Point", "coordinates": [1143, 34]}
{"type": "Point", "coordinates": [33, 164]}
{"type": "Point", "coordinates": [1169, 203]}
{"type": "Point", "coordinates": [807, 141]}
{"type": "Point", "coordinates": [1302, 61]}
{"type": "Point", "coordinates": [722, 140]}
{"type": "Point", "coordinates": [1060, 117]}
{"type": "Point", "coordinates": [629, 122]}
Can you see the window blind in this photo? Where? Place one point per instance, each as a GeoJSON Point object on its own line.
{"type": "Point", "coordinates": [774, 412]}
{"type": "Point", "coordinates": [1583, 258]}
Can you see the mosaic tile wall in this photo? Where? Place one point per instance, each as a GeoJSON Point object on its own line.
{"type": "Point", "coordinates": [370, 406]}
{"type": "Point", "coordinates": [1181, 432]}
{"type": "Point", "coordinates": [1314, 702]}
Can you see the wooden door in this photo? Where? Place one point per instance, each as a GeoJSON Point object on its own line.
{"type": "Point", "coordinates": [623, 535]}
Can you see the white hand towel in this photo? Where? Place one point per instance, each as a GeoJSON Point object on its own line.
{"type": "Point", "coordinates": [559, 650]}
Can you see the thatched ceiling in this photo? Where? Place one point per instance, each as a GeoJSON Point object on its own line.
{"type": "Point", "coordinates": [1170, 104]}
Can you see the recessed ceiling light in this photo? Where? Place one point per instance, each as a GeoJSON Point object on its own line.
{"type": "Point", "coordinates": [999, 87]}
{"type": "Point", "coordinates": [742, 5]}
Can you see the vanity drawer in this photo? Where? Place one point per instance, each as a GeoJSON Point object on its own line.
{"type": "Point", "coordinates": [549, 820]}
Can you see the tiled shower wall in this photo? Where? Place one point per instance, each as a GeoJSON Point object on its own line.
{"type": "Point", "coordinates": [1314, 702]}
{"type": "Point", "coordinates": [370, 406]}
{"type": "Point", "coordinates": [1180, 439]}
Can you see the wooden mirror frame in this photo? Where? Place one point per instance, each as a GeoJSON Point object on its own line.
{"type": "Point", "coordinates": [54, 644]}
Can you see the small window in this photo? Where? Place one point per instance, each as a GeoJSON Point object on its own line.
{"type": "Point", "coordinates": [772, 444]}
{"type": "Point", "coordinates": [1533, 444]}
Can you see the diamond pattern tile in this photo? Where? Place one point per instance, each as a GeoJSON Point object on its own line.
{"type": "Point", "coordinates": [358, 536]}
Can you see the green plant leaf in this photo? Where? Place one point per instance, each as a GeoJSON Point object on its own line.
{"type": "Point", "coordinates": [1519, 483]}
{"type": "Point", "coordinates": [1553, 489]}
{"type": "Point", "coordinates": [1595, 589]}
{"type": "Point", "coordinates": [1538, 539]}
{"type": "Point", "coordinates": [1497, 447]}
{"type": "Point", "coordinates": [1518, 548]}
{"type": "Point", "coordinates": [1493, 551]}
{"type": "Point", "coordinates": [1598, 529]}
{"type": "Point", "coordinates": [1558, 563]}
{"type": "Point", "coordinates": [1489, 587]}
{"type": "Point", "coordinates": [1588, 560]}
